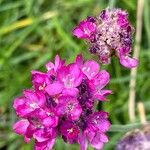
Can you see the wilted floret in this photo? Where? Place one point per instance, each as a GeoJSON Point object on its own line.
{"type": "Point", "coordinates": [108, 34]}
{"type": "Point", "coordinates": [61, 103]}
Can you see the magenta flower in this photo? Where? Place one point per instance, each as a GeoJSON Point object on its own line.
{"type": "Point", "coordinates": [40, 80]}
{"type": "Point", "coordinates": [90, 69]}
{"type": "Point", "coordinates": [94, 132]}
{"type": "Point", "coordinates": [96, 80]}
{"type": "Point", "coordinates": [55, 66]}
{"type": "Point", "coordinates": [43, 118]}
{"type": "Point", "coordinates": [21, 126]}
{"type": "Point", "coordinates": [85, 29]}
{"type": "Point", "coordinates": [112, 34]}
{"type": "Point", "coordinates": [29, 103]}
{"type": "Point", "coordinates": [46, 145]}
{"type": "Point", "coordinates": [25, 128]}
{"type": "Point", "coordinates": [69, 77]}
{"type": "Point", "coordinates": [97, 139]}
{"type": "Point", "coordinates": [69, 131]}
{"type": "Point", "coordinates": [44, 136]}
{"type": "Point", "coordinates": [61, 103]}
{"type": "Point", "coordinates": [69, 106]}
{"type": "Point", "coordinates": [98, 122]}
{"type": "Point", "coordinates": [98, 83]}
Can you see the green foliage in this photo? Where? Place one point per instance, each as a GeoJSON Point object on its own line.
{"type": "Point", "coordinates": [34, 31]}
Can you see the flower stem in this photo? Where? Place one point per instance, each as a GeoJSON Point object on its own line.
{"type": "Point", "coordinates": [132, 86]}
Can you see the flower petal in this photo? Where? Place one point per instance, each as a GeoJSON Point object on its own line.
{"type": "Point", "coordinates": [102, 79]}
{"type": "Point", "coordinates": [46, 145]}
{"type": "Point", "coordinates": [90, 69]}
{"type": "Point", "coordinates": [85, 29]}
{"type": "Point", "coordinates": [54, 88]}
{"type": "Point", "coordinates": [82, 141]}
{"type": "Point", "coordinates": [75, 115]}
{"type": "Point", "coordinates": [101, 94]}
{"type": "Point", "coordinates": [39, 135]}
{"type": "Point", "coordinates": [51, 121]}
{"type": "Point", "coordinates": [30, 94]}
{"type": "Point", "coordinates": [100, 97]}
{"type": "Point", "coordinates": [128, 62]}
{"type": "Point", "coordinates": [78, 32]}
{"type": "Point", "coordinates": [103, 138]}
{"type": "Point", "coordinates": [57, 62]}
{"type": "Point", "coordinates": [79, 60]}
{"type": "Point", "coordinates": [18, 101]}
{"type": "Point", "coordinates": [71, 91]}
{"type": "Point", "coordinates": [49, 66]}
{"type": "Point", "coordinates": [21, 126]}
{"type": "Point", "coordinates": [96, 142]}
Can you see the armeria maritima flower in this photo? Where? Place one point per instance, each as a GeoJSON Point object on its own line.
{"type": "Point", "coordinates": [108, 34]}
{"type": "Point", "coordinates": [61, 103]}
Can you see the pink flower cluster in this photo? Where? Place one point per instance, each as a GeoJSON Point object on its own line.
{"type": "Point", "coordinates": [61, 103]}
{"type": "Point", "coordinates": [108, 34]}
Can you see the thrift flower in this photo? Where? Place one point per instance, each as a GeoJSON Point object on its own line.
{"type": "Point", "coordinates": [69, 131]}
{"type": "Point", "coordinates": [61, 104]}
{"type": "Point", "coordinates": [94, 131]}
{"type": "Point", "coordinates": [86, 28]}
{"type": "Point", "coordinates": [69, 106]}
{"type": "Point", "coordinates": [108, 34]}
{"type": "Point", "coordinates": [27, 104]}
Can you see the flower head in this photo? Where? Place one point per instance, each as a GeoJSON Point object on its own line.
{"type": "Point", "coordinates": [111, 35]}
{"type": "Point", "coordinates": [61, 103]}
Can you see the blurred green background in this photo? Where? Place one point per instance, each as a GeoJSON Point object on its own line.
{"type": "Point", "coordinates": [34, 31]}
